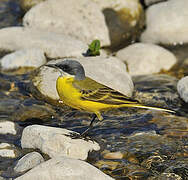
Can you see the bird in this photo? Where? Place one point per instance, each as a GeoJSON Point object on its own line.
{"type": "Point", "coordinates": [85, 94]}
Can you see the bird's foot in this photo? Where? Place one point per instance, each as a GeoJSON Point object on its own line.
{"type": "Point", "coordinates": [74, 135]}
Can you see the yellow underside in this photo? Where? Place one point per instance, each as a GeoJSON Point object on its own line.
{"type": "Point", "coordinates": [72, 97]}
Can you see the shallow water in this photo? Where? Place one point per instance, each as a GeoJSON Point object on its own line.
{"type": "Point", "coordinates": [150, 142]}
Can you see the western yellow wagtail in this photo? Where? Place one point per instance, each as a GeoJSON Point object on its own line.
{"type": "Point", "coordinates": [82, 93]}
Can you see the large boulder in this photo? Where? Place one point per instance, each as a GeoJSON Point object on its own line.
{"type": "Point", "coordinates": [114, 76]}
{"type": "Point", "coordinates": [143, 58]}
{"type": "Point", "coordinates": [167, 23]}
{"type": "Point", "coordinates": [56, 142]}
{"type": "Point", "coordinates": [53, 45]}
{"type": "Point", "coordinates": [62, 168]}
{"type": "Point", "coordinates": [82, 20]}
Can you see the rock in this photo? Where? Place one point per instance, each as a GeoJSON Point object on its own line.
{"type": "Point", "coordinates": [182, 88]}
{"type": "Point", "coordinates": [7, 151]}
{"type": "Point", "coordinates": [124, 19]}
{"type": "Point", "coordinates": [56, 142]}
{"type": "Point", "coordinates": [115, 72]}
{"type": "Point", "coordinates": [8, 127]}
{"type": "Point", "coordinates": [23, 58]}
{"type": "Point", "coordinates": [28, 162]}
{"type": "Point", "coordinates": [4, 145]}
{"type": "Point", "coordinates": [27, 4]}
{"type": "Point", "coordinates": [169, 26]}
{"type": "Point", "coordinates": [113, 155]}
{"type": "Point", "coordinates": [52, 44]}
{"type": "Point", "coordinates": [145, 58]}
{"type": "Point", "coordinates": [150, 2]}
{"type": "Point", "coordinates": [63, 168]}
{"type": "Point", "coordinates": [85, 23]}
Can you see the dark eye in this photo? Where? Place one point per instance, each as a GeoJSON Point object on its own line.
{"type": "Point", "coordinates": [65, 68]}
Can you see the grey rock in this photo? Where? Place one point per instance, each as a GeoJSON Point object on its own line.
{"type": "Point", "coordinates": [169, 26]}
{"type": "Point", "coordinates": [114, 75]}
{"type": "Point", "coordinates": [85, 23]}
{"type": "Point", "coordinates": [23, 58]}
{"type": "Point", "coordinates": [182, 88]}
{"type": "Point", "coordinates": [63, 168]}
{"type": "Point", "coordinates": [52, 44]}
{"type": "Point", "coordinates": [145, 58]}
{"type": "Point", "coordinates": [28, 162]}
{"type": "Point", "coordinates": [56, 142]}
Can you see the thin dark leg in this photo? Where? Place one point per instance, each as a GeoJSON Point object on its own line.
{"type": "Point", "coordinates": [90, 126]}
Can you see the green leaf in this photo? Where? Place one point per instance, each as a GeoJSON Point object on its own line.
{"type": "Point", "coordinates": [94, 48]}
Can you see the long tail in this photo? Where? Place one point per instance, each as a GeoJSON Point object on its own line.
{"type": "Point", "coordinates": [148, 107]}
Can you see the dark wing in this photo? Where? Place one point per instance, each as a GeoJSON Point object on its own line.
{"type": "Point", "coordinates": [93, 91]}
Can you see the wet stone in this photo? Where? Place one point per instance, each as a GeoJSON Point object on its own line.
{"type": "Point", "coordinates": [57, 142]}
{"type": "Point", "coordinates": [28, 161]}
{"type": "Point", "coordinates": [7, 151]}
{"type": "Point", "coordinates": [8, 127]}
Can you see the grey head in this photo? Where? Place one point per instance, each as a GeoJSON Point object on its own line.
{"type": "Point", "coordinates": [71, 67]}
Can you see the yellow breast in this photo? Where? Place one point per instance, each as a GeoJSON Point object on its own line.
{"type": "Point", "coordinates": [67, 92]}
{"type": "Point", "coordinates": [72, 96]}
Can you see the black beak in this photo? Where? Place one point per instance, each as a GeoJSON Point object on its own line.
{"type": "Point", "coordinates": [51, 65]}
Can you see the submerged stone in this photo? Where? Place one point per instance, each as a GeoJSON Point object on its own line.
{"type": "Point", "coordinates": [56, 142]}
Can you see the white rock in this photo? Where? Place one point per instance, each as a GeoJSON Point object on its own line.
{"type": "Point", "coordinates": [82, 20]}
{"type": "Point", "coordinates": [7, 127]}
{"type": "Point", "coordinates": [54, 45]}
{"type": "Point", "coordinates": [55, 142]}
{"type": "Point", "coordinates": [7, 150]}
{"type": "Point", "coordinates": [23, 58]}
{"type": "Point", "coordinates": [108, 71]}
{"type": "Point", "coordinates": [4, 145]}
{"type": "Point", "coordinates": [63, 168]}
{"type": "Point", "coordinates": [182, 88]}
{"type": "Point", "coordinates": [145, 58]}
{"type": "Point", "coordinates": [28, 161]}
{"type": "Point", "coordinates": [7, 153]}
{"type": "Point", "coordinates": [167, 23]}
